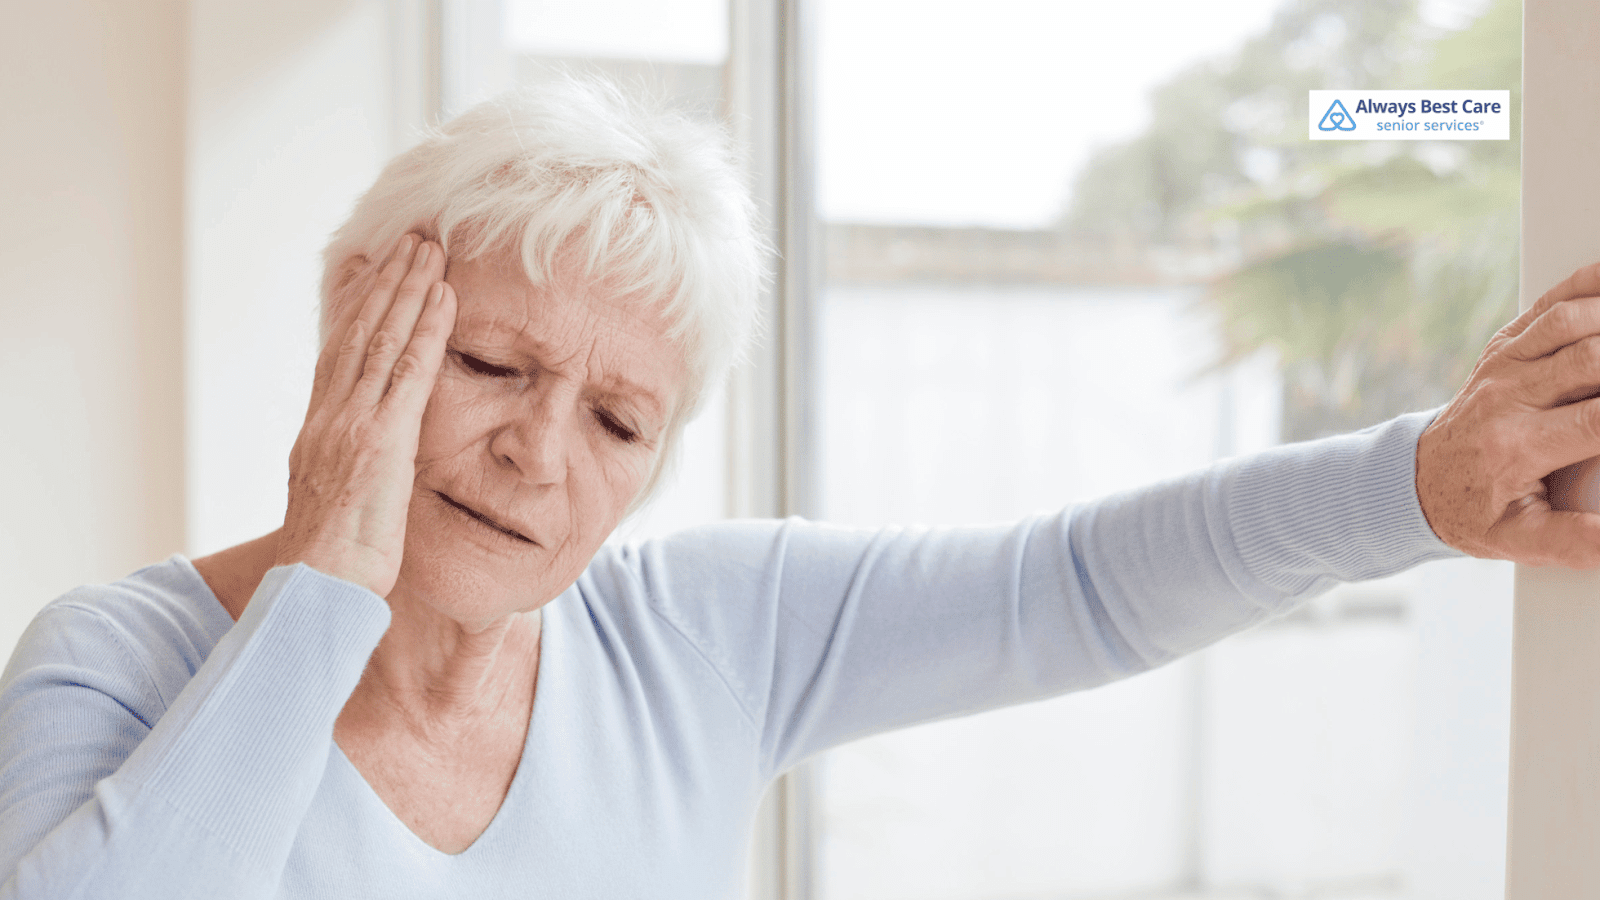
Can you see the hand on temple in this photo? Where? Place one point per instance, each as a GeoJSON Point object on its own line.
{"type": "Point", "coordinates": [351, 470]}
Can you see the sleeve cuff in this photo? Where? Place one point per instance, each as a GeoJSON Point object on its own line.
{"type": "Point", "coordinates": [1344, 508]}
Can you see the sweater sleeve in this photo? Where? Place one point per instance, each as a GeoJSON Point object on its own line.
{"type": "Point", "coordinates": [827, 634]}
{"type": "Point", "coordinates": [98, 798]}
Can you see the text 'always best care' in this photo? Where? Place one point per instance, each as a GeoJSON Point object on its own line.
{"type": "Point", "coordinates": [1409, 115]}
{"type": "Point", "coordinates": [1431, 107]}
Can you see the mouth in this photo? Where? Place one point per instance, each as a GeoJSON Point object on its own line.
{"type": "Point", "coordinates": [486, 521]}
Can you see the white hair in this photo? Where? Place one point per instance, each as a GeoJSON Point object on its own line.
{"type": "Point", "coordinates": [582, 181]}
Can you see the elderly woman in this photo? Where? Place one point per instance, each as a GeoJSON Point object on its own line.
{"type": "Point", "coordinates": [434, 679]}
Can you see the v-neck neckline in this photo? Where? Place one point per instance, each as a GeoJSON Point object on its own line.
{"type": "Point", "coordinates": [543, 682]}
{"type": "Point", "coordinates": [542, 693]}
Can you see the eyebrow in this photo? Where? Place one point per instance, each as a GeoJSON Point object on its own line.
{"type": "Point", "coordinates": [634, 390]}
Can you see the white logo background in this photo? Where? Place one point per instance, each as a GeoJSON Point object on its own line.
{"type": "Point", "coordinates": [1409, 115]}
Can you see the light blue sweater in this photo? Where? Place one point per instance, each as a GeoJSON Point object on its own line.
{"type": "Point", "coordinates": [151, 748]}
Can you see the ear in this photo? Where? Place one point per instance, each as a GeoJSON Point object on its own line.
{"type": "Point", "coordinates": [348, 279]}
{"type": "Point", "coordinates": [347, 273]}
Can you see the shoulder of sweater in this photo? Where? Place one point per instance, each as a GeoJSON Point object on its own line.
{"type": "Point", "coordinates": [704, 593]}
{"type": "Point", "coordinates": [147, 634]}
{"type": "Point", "coordinates": [697, 577]}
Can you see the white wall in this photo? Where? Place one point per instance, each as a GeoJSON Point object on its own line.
{"type": "Point", "coordinates": [171, 170]}
{"type": "Point", "coordinates": [293, 108]}
{"type": "Point", "coordinates": [91, 252]}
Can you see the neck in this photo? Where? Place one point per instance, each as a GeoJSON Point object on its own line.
{"type": "Point", "coordinates": [430, 675]}
{"type": "Point", "coordinates": [438, 678]}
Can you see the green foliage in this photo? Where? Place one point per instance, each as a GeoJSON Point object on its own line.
{"type": "Point", "coordinates": [1375, 270]}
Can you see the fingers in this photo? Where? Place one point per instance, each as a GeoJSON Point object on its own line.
{"type": "Point", "coordinates": [1541, 536]}
{"type": "Point", "coordinates": [337, 344]}
{"type": "Point", "coordinates": [1556, 438]}
{"type": "Point", "coordinates": [351, 354]}
{"type": "Point", "coordinates": [1570, 374]}
{"type": "Point", "coordinates": [399, 322]}
{"type": "Point", "coordinates": [418, 367]}
{"type": "Point", "coordinates": [347, 310]}
{"type": "Point", "coordinates": [1558, 327]}
{"type": "Point", "coordinates": [1583, 283]}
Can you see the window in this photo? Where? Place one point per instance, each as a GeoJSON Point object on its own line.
{"type": "Point", "coordinates": [1037, 292]}
{"type": "Point", "coordinates": [1052, 269]}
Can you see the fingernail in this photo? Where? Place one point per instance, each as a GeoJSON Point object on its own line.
{"type": "Point", "coordinates": [422, 255]}
{"type": "Point", "coordinates": [436, 294]}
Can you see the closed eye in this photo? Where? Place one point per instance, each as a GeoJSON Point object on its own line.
{"type": "Point", "coordinates": [618, 430]}
{"type": "Point", "coordinates": [478, 366]}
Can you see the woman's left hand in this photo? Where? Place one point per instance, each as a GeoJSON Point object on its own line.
{"type": "Point", "coordinates": [1528, 409]}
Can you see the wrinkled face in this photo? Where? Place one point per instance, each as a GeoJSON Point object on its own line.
{"type": "Point", "coordinates": [549, 414]}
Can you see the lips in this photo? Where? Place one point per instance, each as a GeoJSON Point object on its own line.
{"type": "Point", "coordinates": [503, 529]}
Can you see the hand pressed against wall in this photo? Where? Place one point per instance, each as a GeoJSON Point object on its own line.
{"type": "Point", "coordinates": [1529, 408]}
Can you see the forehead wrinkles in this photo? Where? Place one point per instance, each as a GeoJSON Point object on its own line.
{"type": "Point", "coordinates": [617, 345]}
{"type": "Point", "coordinates": [627, 352]}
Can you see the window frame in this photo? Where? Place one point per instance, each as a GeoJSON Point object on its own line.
{"type": "Point", "coordinates": [772, 472]}
{"type": "Point", "coordinates": [1555, 732]}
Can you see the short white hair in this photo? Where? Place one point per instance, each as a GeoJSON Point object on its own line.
{"type": "Point", "coordinates": [581, 180]}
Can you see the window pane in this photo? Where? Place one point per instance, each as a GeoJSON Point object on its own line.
{"type": "Point", "coordinates": [676, 47]}
{"type": "Point", "coordinates": [1072, 249]}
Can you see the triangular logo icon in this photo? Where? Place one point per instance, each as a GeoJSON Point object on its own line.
{"type": "Point", "coordinates": [1337, 118]}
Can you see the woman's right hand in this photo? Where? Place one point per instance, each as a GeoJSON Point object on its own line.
{"type": "Point", "coordinates": [351, 469]}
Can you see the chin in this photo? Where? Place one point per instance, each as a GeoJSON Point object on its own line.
{"type": "Point", "coordinates": [470, 574]}
{"type": "Point", "coordinates": [470, 597]}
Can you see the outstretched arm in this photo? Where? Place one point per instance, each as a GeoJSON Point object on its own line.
{"type": "Point", "coordinates": [827, 634]}
{"type": "Point", "coordinates": [835, 633]}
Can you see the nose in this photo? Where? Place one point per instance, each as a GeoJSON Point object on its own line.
{"type": "Point", "coordinates": [533, 441]}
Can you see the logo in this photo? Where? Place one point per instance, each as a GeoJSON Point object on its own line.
{"type": "Point", "coordinates": [1426, 115]}
{"type": "Point", "coordinates": [1337, 118]}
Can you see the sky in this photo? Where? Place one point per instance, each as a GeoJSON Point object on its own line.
{"type": "Point", "coordinates": [941, 112]}
{"type": "Point", "coordinates": [944, 112]}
